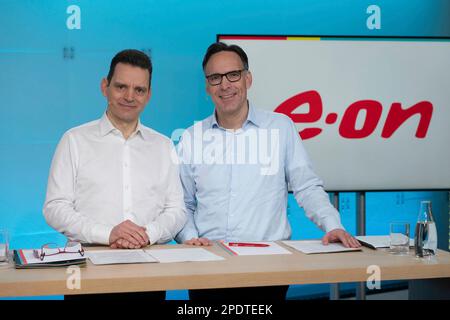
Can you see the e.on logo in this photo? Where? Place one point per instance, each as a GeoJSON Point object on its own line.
{"type": "Point", "coordinates": [347, 127]}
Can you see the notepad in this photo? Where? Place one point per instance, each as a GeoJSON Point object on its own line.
{"type": "Point", "coordinates": [272, 248]}
{"type": "Point", "coordinates": [316, 246]}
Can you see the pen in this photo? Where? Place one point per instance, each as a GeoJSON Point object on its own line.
{"type": "Point", "coordinates": [366, 244]}
{"type": "Point", "coordinates": [247, 244]}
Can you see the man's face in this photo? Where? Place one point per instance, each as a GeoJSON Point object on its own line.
{"type": "Point", "coordinates": [228, 97]}
{"type": "Point", "coordinates": [128, 93]}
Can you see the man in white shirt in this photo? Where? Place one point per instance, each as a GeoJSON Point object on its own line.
{"type": "Point", "coordinates": [113, 181]}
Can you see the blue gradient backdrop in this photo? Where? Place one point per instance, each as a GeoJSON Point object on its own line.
{"type": "Point", "coordinates": [44, 94]}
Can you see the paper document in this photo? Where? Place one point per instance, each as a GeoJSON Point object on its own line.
{"type": "Point", "coordinates": [316, 246]}
{"type": "Point", "coordinates": [101, 257]}
{"type": "Point", "coordinates": [272, 248]}
{"type": "Point", "coordinates": [378, 241]}
{"type": "Point", "coordinates": [183, 255]}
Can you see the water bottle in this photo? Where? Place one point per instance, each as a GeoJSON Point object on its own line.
{"type": "Point", "coordinates": [425, 238]}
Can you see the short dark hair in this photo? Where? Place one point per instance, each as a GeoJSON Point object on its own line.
{"type": "Point", "coordinates": [219, 47]}
{"type": "Point", "coordinates": [132, 57]}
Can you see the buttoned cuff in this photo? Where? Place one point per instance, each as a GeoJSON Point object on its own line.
{"type": "Point", "coordinates": [330, 223]}
{"type": "Point", "coordinates": [100, 234]}
{"type": "Point", "coordinates": [153, 233]}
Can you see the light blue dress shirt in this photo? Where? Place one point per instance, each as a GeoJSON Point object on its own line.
{"type": "Point", "coordinates": [236, 181]}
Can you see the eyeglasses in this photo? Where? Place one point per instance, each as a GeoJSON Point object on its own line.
{"type": "Point", "coordinates": [232, 76]}
{"type": "Point", "coordinates": [51, 249]}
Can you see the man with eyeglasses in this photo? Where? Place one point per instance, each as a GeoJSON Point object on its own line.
{"type": "Point", "coordinates": [235, 169]}
{"type": "Point", "coordinates": [113, 181]}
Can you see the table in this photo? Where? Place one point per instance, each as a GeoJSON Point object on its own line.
{"type": "Point", "coordinates": [428, 278]}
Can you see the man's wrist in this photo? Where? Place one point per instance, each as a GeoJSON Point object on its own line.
{"type": "Point", "coordinates": [101, 234]}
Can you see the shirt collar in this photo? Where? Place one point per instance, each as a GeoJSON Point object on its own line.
{"type": "Point", "coordinates": [214, 123]}
{"type": "Point", "coordinates": [252, 117]}
{"type": "Point", "coordinates": [107, 127]}
{"type": "Point", "coordinates": [140, 129]}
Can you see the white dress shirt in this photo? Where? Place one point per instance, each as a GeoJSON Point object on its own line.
{"type": "Point", "coordinates": [98, 179]}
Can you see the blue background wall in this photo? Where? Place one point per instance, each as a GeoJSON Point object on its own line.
{"type": "Point", "coordinates": [50, 81]}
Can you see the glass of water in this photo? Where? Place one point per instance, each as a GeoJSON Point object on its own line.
{"type": "Point", "coordinates": [399, 238]}
{"type": "Point", "coordinates": [4, 245]}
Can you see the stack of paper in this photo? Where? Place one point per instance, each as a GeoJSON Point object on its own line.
{"type": "Point", "coordinates": [101, 257]}
{"type": "Point", "coordinates": [316, 246]}
{"type": "Point", "coordinates": [27, 259]}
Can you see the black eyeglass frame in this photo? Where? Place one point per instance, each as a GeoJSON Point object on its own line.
{"type": "Point", "coordinates": [226, 75]}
